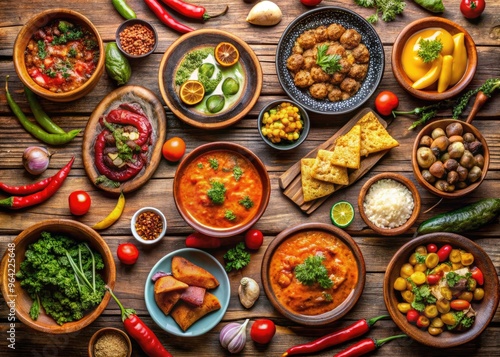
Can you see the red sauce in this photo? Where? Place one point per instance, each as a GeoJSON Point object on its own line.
{"type": "Point", "coordinates": [61, 56]}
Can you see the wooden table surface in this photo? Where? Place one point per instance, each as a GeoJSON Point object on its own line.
{"type": "Point", "coordinates": [281, 212]}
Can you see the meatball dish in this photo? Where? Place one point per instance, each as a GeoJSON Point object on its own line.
{"type": "Point", "coordinates": [329, 61]}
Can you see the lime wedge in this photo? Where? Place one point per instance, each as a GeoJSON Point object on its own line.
{"type": "Point", "coordinates": [342, 214]}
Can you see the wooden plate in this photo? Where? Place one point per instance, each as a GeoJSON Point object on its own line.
{"type": "Point", "coordinates": [156, 114]}
{"type": "Point", "coordinates": [291, 183]}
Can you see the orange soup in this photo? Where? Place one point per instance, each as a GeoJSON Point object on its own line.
{"type": "Point", "coordinates": [339, 262]}
{"type": "Point", "coordinates": [221, 189]}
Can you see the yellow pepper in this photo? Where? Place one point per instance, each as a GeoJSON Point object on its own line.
{"type": "Point", "coordinates": [445, 75]}
{"type": "Point", "coordinates": [459, 58]}
{"type": "Point", "coordinates": [431, 76]}
{"type": "Point", "coordinates": [113, 216]}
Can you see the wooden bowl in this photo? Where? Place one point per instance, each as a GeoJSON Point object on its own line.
{"type": "Point", "coordinates": [198, 197]}
{"type": "Point", "coordinates": [23, 38]}
{"type": "Point", "coordinates": [485, 308]}
{"type": "Point", "coordinates": [340, 237]}
{"type": "Point", "coordinates": [416, 204]}
{"type": "Point", "coordinates": [431, 93]}
{"type": "Point", "coordinates": [12, 291]}
{"type": "Point", "coordinates": [468, 128]}
{"type": "Point", "coordinates": [109, 330]}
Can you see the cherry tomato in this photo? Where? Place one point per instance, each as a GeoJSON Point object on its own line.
{"type": "Point", "coordinates": [444, 252]}
{"type": "Point", "coordinates": [459, 304]}
{"type": "Point", "coordinates": [127, 253]}
{"type": "Point", "coordinates": [173, 149]}
{"type": "Point", "coordinates": [412, 316]}
{"type": "Point", "coordinates": [423, 321]}
{"type": "Point", "coordinates": [432, 248]}
{"type": "Point", "coordinates": [254, 239]}
{"type": "Point", "coordinates": [433, 279]}
{"type": "Point", "coordinates": [472, 9]}
{"type": "Point", "coordinates": [262, 331]}
{"type": "Point", "coordinates": [310, 2]}
{"type": "Point", "coordinates": [477, 275]}
{"type": "Point", "coordinates": [79, 202]}
{"type": "Point", "coordinates": [385, 102]}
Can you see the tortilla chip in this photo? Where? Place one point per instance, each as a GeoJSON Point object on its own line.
{"type": "Point", "coordinates": [324, 170]}
{"type": "Point", "coordinates": [192, 274]}
{"type": "Point", "coordinates": [168, 283]}
{"type": "Point", "coordinates": [313, 188]}
{"type": "Point", "coordinates": [166, 301]}
{"type": "Point", "coordinates": [374, 137]}
{"type": "Point", "coordinates": [185, 314]}
{"type": "Point", "coordinates": [347, 148]}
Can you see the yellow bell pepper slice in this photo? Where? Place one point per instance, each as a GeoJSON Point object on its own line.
{"type": "Point", "coordinates": [431, 76]}
{"type": "Point", "coordinates": [459, 58]}
{"type": "Point", "coordinates": [113, 216]}
{"type": "Point", "coordinates": [445, 75]}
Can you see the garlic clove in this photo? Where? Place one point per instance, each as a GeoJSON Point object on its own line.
{"type": "Point", "coordinates": [248, 292]}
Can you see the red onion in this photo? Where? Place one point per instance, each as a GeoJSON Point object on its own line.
{"type": "Point", "coordinates": [36, 159]}
{"type": "Point", "coordinates": [233, 336]}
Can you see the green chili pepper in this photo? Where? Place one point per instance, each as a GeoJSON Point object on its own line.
{"type": "Point", "coordinates": [41, 117]}
{"type": "Point", "coordinates": [124, 9]}
{"type": "Point", "coordinates": [35, 130]}
{"type": "Point", "coordinates": [435, 6]}
{"type": "Point", "coordinates": [117, 65]}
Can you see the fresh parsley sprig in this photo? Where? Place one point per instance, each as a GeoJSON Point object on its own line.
{"type": "Point", "coordinates": [389, 9]}
{"type": "Point", "coordinates": [313, 271]}
{"type": "Point", "coordinates": [429, 49]}
{"type": "Point", "coordinates": [236, 258]}
{"type": "Point", "coordinates": [328, 63]}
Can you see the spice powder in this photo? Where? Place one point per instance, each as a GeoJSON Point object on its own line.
{"type": "Point", "coordinates": [111, 344]}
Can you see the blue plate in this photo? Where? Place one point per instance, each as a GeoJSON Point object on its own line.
{"type": "Point", "coordinates": [223, 293]}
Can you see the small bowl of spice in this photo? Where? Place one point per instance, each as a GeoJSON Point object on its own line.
{"type": "Point", "coordinates": [136, 38]}
{"type": "Point", "coordinates": [148, 225]}
{"type": "Point", "coordinates": [389, 203]}
{"type": "Point", "coordinates": [110, 342]}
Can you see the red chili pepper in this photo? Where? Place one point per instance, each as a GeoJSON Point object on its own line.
{"type": "Point", "coordinates": [191, 10]}
{"type": "Point", "coordinates": [354, 330]}
{"type": "Point", "coordinates": [140, 332]}
{"type": "Point", "coordinates": [17, 202]}
{"type": "Point", "coordinates": [202, 241]}
{"type": "Point", "coordinates": [127, 117]}
{"type": "Point", "coordinates": [25, 189]}
{"type": "Point", "coordinates": [364, 346]}
{"type": "Point", "coordinates": [477, 275]}
{"type": "Point", "coordinates": [166, 18]}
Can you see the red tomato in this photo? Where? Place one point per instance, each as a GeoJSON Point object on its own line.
{"type": "Point", "coordinates": [444, 252]}
{"type": "Point", "coordinates": [459, 304]}
{"type": "Point", "coordinates": [79, 202]}
{"type": "Point", "coordinates": [173, 149]}
{"type": "Point", "coordinates": [262, 331]}
{"type": "Point", "coordinates": [433, 279]}
{"type": "Point", "coordinates": [412, 316]}
{"type": "Point", "coordinates": [472, 9]}
{"type": "Point", "coordinates": [432, 248]}
{"type": "Point", "coordinates": [423, 321]}
{"type": "Point", "coordinates": [127, 253]}
{"type": "Point", "coordinates": [386, 102]}
{"type": "Point", "coordinates": [477, 275]}
{"type": "Point", "coordinates": [310, 2]}
{"type": "Point", "coordinates": [254, 239]}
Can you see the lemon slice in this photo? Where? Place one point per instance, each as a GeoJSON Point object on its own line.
{"type": "Point", "coordinates": [226, 54]}
{"type": "Point", "coordinates": [192, 92]}
{"type": "Point", "coordinates": [342, 214]}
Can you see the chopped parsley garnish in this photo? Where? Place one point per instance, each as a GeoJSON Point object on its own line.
{"type": "Point", "coordinates": [429, 49]}
{"type": "Point", "coordinates": [313, 271]}
{"type": "Point", "coordinates": [217, 193]}
{"type": "Point", "coordinates": [72, 52]}
{"type": "Point", "coordinates": [42, 51]}
{"type": "Point", "coordinates": [388, 8]}
{"type": "Point", "coordinates": [229, 215]}
{"type": "Point", "coordinates": [420, 258]}
{"type": "Point", "coordinates": [423, 296]}
{"type": "Point", "coordinates": [237, 172]}
{"type": "Point", "coordinates": [214, 163]}
{"type": "Point", "coordinates": [200, 165]}
{"type": "Point", "coordinates": [236, 258]}
{"type": "Point", "coordinates": [453, 278]}
{"type": "Point", "coordinates": [246, 202]}
{"type": "Point", "coordinates": [328, 63]}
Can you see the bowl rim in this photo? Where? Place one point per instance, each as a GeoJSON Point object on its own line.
{"type": "Point", "coordinates": [134, 219]}
{"type": "Point", "coordinates": [450, 339]}
{"type": "Point", "coordinates": [103, 330]}
{"type": "Point", "coordinates": [416, 203]}
{"type": "Point", "coordinates": [303, 134]}
{"type": "Point", "coordinates": [341, 310]}
{"type": "Point", "coordinates": [131, 22]}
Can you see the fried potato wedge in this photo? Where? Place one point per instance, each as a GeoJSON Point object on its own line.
{"type": "Point", "coordinates": [192, 274]}
{"type": "Point", "coordinates": [185, 314]}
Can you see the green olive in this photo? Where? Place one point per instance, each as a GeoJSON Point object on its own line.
{"type": "Point", "coordinates": [207, 70]}
{"type": "Point", "coordinates": [230, 86]}
{"type": "Point", "coordinates": [215, 103]}
{"type": "Point", "coordinates": [466, 295]}
{"type": "Point", "coordinates": [478, 294]}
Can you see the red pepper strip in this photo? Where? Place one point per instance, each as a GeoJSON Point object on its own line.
{"type": "Point", "coordinates": [202, 241]}
{"type": "Point", "coordinates": [354, 330]}
{"type": "Point", "coordinates": [16, 202]}
{"type": "Point", "coordinates": [166, 18]}
{"type": "Point", "coordinates": [140, 332]}
{"type": "Point", "coordinates": [25, 189]}
{"type": "Point", "coordinates": [191, 10]}
{"type": "Point", "coordinates": [126, 117]}
{"type": "Point", "coordinates": [364, 346]}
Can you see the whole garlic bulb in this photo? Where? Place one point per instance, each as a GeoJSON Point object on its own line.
{"type": "Point", "coordinates": [233, 336]}
{"type": "Point", "coordinates": [248, 292]}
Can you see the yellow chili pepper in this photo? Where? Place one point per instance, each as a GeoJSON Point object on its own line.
{"type": "Point", "coordinates": [431, 76]}
{"type": "Point", "coordinates": [113, 216]}
{"type": "Point", "coordinates": [459, 58]}
{"type": "Point", "coordinates": [445, 75]}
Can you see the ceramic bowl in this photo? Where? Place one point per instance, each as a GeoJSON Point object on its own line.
{"type": "Point", "coordinates": [144, 25]}
{"type": "Point", "coordinates": [187, 201]}
{"type": "Point", "coordinates": [136, 233]}
{"type": "Point", "coordinates": [222, 292]}
{"type": "Point", "coordinates": [458, 192]}
{"type": "Point", "coordinates": [285, 144]}
{"type": "Point", "coordinates": [109, 330]}
{"type": "Point", "coordinates": [485, 308]}
{"type": "Point", "coordinates": [431, 93]}
{"type": "Point", "coordinates": [24, 37]}
{"type": "Point", "coordinates": [79, 232]}
{"type": "Point", "coordinates": [312, 19]}
{"type": "Point", "coordinates": [416, 204]}
{"type": "Point", "coordinates": [351, 297]}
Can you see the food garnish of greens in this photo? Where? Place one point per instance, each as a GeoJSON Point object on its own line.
{"type": "Point", "coordinates": [328, 63]}
{"type": "Point", "coordinates": [236, 258]}
{"type": "Point", "coordinates": [246, 202]}
{"type": "Point", "coordinates": [214, 163]}
{"type": "Point", "coordinates": [313, 271]}
{"type": "Point", "coordinates": [60, 275]}
{"type": "Point", "coordinates": [237, 172]}
{"type": "Point", "coordinates": [217, 193]}
{"type": "Point", "coordinates": [192, 61]}
{"type": "Point", "coordinates": [423, 296]}
{"type": "Point", "coordinates": [388, 8]}
{"type": "Point", "coordinates": [228, 214]}
{"type": "Point", "coordinates": [429, 49]}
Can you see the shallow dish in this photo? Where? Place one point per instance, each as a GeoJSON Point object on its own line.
{"type": "Point", "coordinates": [344, 307]}
{"type": "Point", "coordinates": [156, 113]}
{"type": "Point", "coordinates": [486, 308]}
{"type": "Point", "coordinates": [223, 293]}
{"type": "Point", "coordinates": [76, 230]}
{"type": "Point", "coordinates": [327, 15]}
{"type": "Point", "coordinates": [111, 330]}
{"type": "Point", "coordinates": [130, 23]}
{"type": "Point", "coordinates": [416, 203]}
{"type": "Point", "coordinates": [199, 39]}
{"type": "Point", "coordinates": [134, 229]}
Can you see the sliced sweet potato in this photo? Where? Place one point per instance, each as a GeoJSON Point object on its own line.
{"type": "Point", "coordinates": [192, 274]}
{"type": "Point", "coordinates": [166, 301]}
{"type": "Point", "coordinates": [168, 283]}
{"type": "Point", "coordinates": [185, 314]}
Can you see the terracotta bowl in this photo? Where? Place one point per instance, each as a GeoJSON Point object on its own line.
{"type": "Point", "coordinates": [468, 128]}
{"type": "Point", "coordinates": [416, 202]}
{"type": "Point", "coordinates": [485, 308]}
{"type": "Point", "coordinates": [182, 201]}
{"type": "Point", "coordinates": [23, 38]}
{"type": "Point", "coordinates": [431, 93]}
{"type": "Point", "coordinates": [79, 232]}
{"type": "Point", "coordinates": [109, 330]}
{"type": "Point", "coordinates": [351, 299]}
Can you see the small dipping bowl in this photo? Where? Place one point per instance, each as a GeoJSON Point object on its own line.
{"type": "Point", "coordinates": [133, 30]}
{"type": "Point", "coordinates": [111, 331]}
{"type": "Point", "coordinates": [150, 225]}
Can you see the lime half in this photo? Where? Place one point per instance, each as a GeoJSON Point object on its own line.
{"type": "Point", "coordinates": [342, 214]}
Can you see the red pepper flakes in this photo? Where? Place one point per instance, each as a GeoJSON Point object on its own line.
{"type": "Point", "coordinates": [137, 39]}
{"type": "Point", "coordinates": [149, 225]}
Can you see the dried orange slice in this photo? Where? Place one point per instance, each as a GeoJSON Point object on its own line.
{"type": "Point", "coordinates": [192, 92]}
{"type": "Point", "coordinates": [226, 54]}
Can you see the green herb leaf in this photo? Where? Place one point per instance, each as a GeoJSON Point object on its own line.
{"type": "Point", "coordinates": [328, 63]}
{"type": "Point", "coordinates": [214, 163]}
{"type": "Point", "coordinates": [420, 258]}
{"type": "Point", "coordinates": [237, 173]}
{"type": "Point", "coordinates": [217, 193]}
{"type": "Point", "coordinates": [229, 215]}
{"type": "Point", "coordinates": [236, 258]}
{"type": "Point", "coordinates": [246, 202]}
{"type": "Point", "coordinates": [429, 49]}
{"type": "Point", "coordinates": [313, 271]}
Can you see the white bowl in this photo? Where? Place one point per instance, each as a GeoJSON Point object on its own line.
{"type": "Point", "coordinates": [134, 230]}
